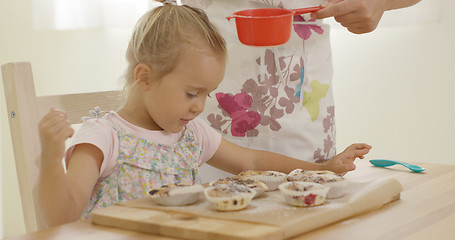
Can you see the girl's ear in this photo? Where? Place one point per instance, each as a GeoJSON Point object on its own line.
{"type": "Point", "coordinates": [142, 75]}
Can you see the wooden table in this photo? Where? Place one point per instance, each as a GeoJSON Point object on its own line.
{"type": "Point", "coordinates": [426, 210]}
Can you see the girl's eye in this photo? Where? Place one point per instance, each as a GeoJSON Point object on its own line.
{"type": "Point", "coordinates": [191, 95]}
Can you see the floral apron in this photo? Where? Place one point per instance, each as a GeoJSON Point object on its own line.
{"type": "Point", "coordinates": [274, 98]}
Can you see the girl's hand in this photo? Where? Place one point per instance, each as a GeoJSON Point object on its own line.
{"type": "Point", "coordinates": [54, 129]}
{"type": "Point", "coordinates": [358, 16]}
{"type": "Point", "coordinates": [344, 161]}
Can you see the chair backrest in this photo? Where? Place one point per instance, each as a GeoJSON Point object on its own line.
{"type": "Point", "coordinates": [25, 110]}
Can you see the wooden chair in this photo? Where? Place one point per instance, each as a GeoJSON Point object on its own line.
{"type": "Point", "coordinates": [25, 110]}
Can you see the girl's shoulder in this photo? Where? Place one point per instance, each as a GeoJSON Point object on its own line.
{"type": "Point", "coordinates": [99, 124]}
{"type": "Point", "coordinates": [209, 138]}
{"type": "Point", "coordinates": [200, 127]}
{"type": "Point", "coordinates": [99, 118]}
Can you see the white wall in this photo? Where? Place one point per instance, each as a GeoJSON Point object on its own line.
{"type": "Point", "coordinates": [393, 87]}
{"type": "Point", "coordinates": [65, 61]}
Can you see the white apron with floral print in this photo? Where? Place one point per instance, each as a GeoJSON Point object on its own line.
{"type": "Point", "coordinates": [274, 98]}
{"type": "Point", "coordinates": [142, 165]}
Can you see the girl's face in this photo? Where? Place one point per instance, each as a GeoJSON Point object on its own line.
{"type": "Point", "coordinates": [179, 97]}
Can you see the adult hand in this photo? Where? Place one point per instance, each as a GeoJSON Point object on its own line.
{"type": "Point", "coordinates": [358, 16]}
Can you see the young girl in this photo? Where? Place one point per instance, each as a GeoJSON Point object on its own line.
{"type": "Point", "coordinates": [175, 59]}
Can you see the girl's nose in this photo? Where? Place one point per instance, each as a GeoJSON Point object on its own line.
{"type": "Point", "coordinates": [198, 106]}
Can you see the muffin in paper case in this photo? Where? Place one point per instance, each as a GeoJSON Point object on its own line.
{"type": "Point", "coordinates": [229, 197]}
{"type": "Point", "coordinates": [258, 186]}
{"type": "Point", "coordinates": [176, 194]}
{"type": "Point", "coordinates": [271, 178]}
{"type": "Point", "coordinates": [337, 184]}
{"type": "Point", "coordinates": [330, 179]}
{"type": "Point", "coordinates": [302, 175]}
{"type": "Point", "coordinates": [303, 194]}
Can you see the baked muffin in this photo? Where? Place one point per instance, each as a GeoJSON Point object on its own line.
{"type": "Point", "coordinates": [336, 182]}
{"type": "Point", "coordinates": [271, 178]}
{"type": "Point", "coordinates": [302, 175]}
{"type": "Point", "coordinates": [176, 194]}
{"type": "Point", "coordinates": [229, 197]}
{"type": "Point", "coordinates": [303, 194]}
{"type": "Point", "coordinates": [258, 186]}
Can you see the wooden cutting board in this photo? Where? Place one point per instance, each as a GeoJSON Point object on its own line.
{"type": "Point", "coordinates": [268, 217]}
{"type": "Point", "coordinates": [182, 225]}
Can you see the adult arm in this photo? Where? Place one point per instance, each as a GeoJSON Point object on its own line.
{"type": "Point", "coordinates": [359, 16]}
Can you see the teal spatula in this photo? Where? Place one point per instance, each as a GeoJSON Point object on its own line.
{"type": "Point", "coordinates": [388, 163]}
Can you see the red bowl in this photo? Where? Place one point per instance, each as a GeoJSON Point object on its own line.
{"type": "Point", "coordinates": [266, 26]}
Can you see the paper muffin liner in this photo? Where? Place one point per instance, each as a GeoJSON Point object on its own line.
{"type": "Point", "coordinates": [259, 186]}
{"type": "Point", "coordinates": [260, 190]}
{"type": "Point", "coordinates": [178, 196]}
{"type": "Point", "coordinates": [306, 198]}
{"type": "Point", "coordinates": [272, 181]}
{"type": "Point", "coordinates": [336, 183]}
{"type": "Point", "coordinates": [232, 202]}
{"type": "Point", "coordinates": [337, 189]}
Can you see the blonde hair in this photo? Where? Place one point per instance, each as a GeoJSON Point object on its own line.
{"type": "Point", "coordinates": [161, 36]}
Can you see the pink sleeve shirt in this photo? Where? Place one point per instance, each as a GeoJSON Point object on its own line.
{"type": "Point", "coordinates": [101, 133]}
